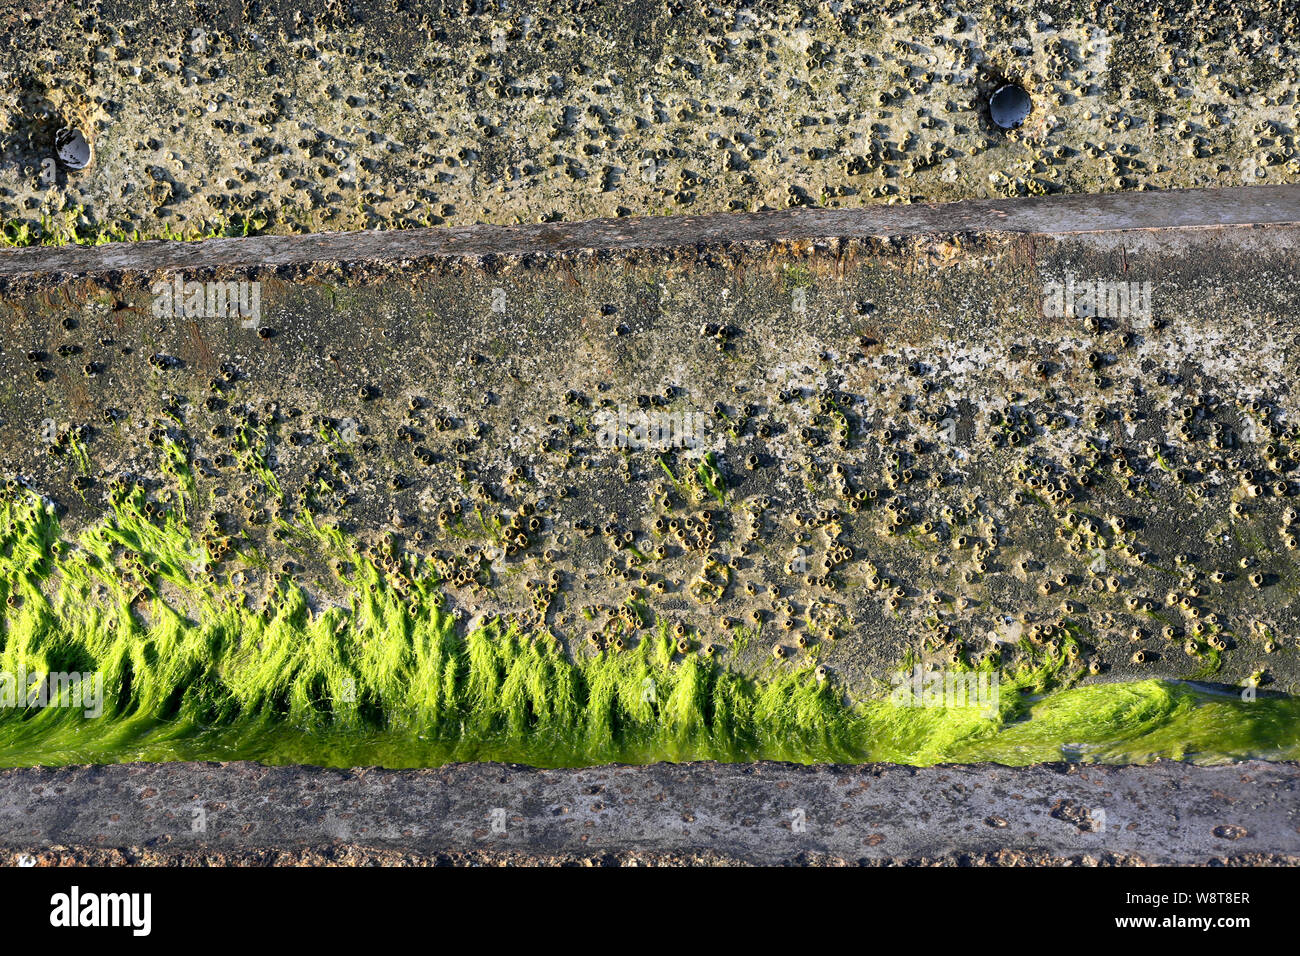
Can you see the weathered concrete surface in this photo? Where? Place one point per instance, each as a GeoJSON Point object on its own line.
{"type": "Point", "coordinates": [915, 455]}
{"type": "Point", "coordinates": [306, 114]}
{"type": "Point", "coordinates": [203, 814]}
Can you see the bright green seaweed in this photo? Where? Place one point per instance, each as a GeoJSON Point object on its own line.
{"type": "Point", "coordinates": [387, 676]}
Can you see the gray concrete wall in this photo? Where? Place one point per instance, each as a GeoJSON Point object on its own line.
{"type": "Point", "coordinates": [918, 456]}
{"type": "Point", "coordinates": [766, 814]}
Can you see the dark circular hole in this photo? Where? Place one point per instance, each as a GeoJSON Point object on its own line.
{"type": "Point", "coordinates": [1009, 106]}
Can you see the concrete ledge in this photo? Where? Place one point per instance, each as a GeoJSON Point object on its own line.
{"type": "Point", "coordinates": [765, 813]}
{"type": "Point", "coordinates": [1053, 216]}
{"type": "Point", "coordinates": [916, 390]}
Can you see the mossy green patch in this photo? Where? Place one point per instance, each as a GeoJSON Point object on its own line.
{"type": "Point", "coordinates": [73, 229]}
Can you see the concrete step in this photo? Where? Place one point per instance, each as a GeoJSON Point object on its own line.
{"type": "Point", "coordinates": [861, 434]}
{"type": "Point", "coordinates": [702, 813]}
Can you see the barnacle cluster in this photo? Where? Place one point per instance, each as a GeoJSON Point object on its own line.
{"type": "Point", "coordinates": [194, 669]}
{"type": "Point", "coordinates": [428, 114]}
{"type": "Point", "coordinates": [1101, 490]}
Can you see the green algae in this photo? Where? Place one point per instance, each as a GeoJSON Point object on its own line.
{"type": "Point", "coordinates": [72, 229]}
{"type": "Point", "coordinates": [384, 674]}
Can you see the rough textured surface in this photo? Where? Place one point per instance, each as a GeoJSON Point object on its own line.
{"type": "Point", "coordinates": [480, 244]}
{"type": "Point", "coordinates": [325, 114]}
{"type": "Point", "coordinates": [914, 458]}
{"type": "Point", "coordinates": [893, 440]}
{"type": "Point", "coordinates": [203, 814]}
